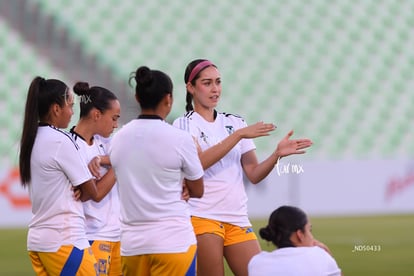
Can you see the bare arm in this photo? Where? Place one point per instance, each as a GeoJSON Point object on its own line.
{"type": "Point", "coordinates": [213, 154]}
{"type": "Point", "coordinates": [105, 161]}
{"type": "Point", "coordinates": [97, 190]}
{"type": "Point", "coordinates": [195, 187]}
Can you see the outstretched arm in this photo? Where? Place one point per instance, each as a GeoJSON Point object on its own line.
{"type": "Point", "coordinates": [213, 154]}
{"type": "Point", "coordinates": [256, 171]}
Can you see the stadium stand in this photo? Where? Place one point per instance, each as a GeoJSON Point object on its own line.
{"type": "Point", "coordinates": [339, 72]}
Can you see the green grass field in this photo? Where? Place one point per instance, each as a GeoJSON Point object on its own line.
{"type": "Point", "coordinates": [393, 234]}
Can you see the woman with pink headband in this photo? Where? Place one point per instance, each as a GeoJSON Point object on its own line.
{"type": "Point", "coordinates": [226, 151]}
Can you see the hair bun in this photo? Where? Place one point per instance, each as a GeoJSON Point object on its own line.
{"type": "Point", "coordinates": [267, 233]}
{"type": "Point", "coordinates": [143, 76]}
{"type": "Point", "coordinates": [81, 88]}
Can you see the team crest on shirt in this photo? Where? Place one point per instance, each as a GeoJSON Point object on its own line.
{"type": "Point", "coordinates": [203, 137]}
{"type": "Point", "coordinates": [229, 129]}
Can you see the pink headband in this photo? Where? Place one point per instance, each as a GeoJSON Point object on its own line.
{"type": "Point", "coordinates": [198, 68]}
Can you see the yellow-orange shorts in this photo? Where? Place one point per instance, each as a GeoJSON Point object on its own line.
{"type": "Point", "coordinates": [161, 264]}
{"type": "Point", "coordinates": [67, 261]}
{"type": "Point", "coordinates": [108, 257]}
{"type": "Point", "coordinates": [230, 233]}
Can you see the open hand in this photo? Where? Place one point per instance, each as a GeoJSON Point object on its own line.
{"type": "Point", "coordinates": [257, 130]}
{"type": "Point", "coordinates": [287, 147]}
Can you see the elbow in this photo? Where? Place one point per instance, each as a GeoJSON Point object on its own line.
{"type": "Point", "coordinates": [84, 198]}
{"type": "Point", "coordinates": [97, 197]}
{"type": "Point", "coordinates": [254, 180]}
{"type": "Point", "coordinates": [195, 187]}
{"type": "Point", "coordinates": [198, 193]}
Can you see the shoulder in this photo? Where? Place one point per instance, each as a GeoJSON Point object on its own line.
{"type": "Point", "coordinates": [231, 116]}
{"type": "Point", "coordinates": [63, 136]}
{"type": "Point", "coordinates": [184, 121]}
{"type": "Point", "coordinates": [75, 136]}
{"type": "Point", "coordinates": [175, 130]}
{"type": "Point", "coordinates": [317, 253]}
{"type": "Point", "coordinates": [324, 259]}
{"type": "Point", "coordinates": [258, 260]}
{"type": "Point", "coordinates": [102, 140]}
{"type": "Point", "coordinates": [316, 250]}
{"type": "Point", "coordinates": [124, 129]}
{"type": "Point", "coordinates": [233, 120]}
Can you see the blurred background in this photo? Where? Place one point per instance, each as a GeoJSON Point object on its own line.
{"type": "Point", "coordinates": [339, 72]}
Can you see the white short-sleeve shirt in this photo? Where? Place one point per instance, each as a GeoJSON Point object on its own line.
{"type": "Point", "coordinates": [294, 261]}
{"type": "Point", "coordinates": [56, 167]}
{"type": "Point", "coordinates": [102, 218]}
{"type": "Point", "coordinates": [224, 196]}
{"type": "Point", "coordinates": [150, 159]}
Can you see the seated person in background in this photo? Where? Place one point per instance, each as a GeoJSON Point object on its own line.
{"type": "Point", "coordinates": [298, 253]}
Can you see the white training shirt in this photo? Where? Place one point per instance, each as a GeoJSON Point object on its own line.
{"type": "Point", "coordinates": [294, 261]}
{"type": "Point", "coordinates": [150, 158]}
{"type": "Point", "coordinates": [56, 166]}
{"type": "Point", "coordinates": [224, 196]}
{"type": "Point", "coordinates": [102, 218]}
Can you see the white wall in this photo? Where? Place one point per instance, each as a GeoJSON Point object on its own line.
{"type": "Point", "coordinates": [337, 188]}
{"type": "Point", "coordinates": [320, 188]}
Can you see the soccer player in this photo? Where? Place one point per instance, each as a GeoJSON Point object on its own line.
{"type": "Point", "coordinates": [151, 158]}
{"type": "Point", "coordinates": [99, 114]}
{"type": "Point", "coordinates": [52, 167]}
{"type": "Point", "coordinates": [220, 217]}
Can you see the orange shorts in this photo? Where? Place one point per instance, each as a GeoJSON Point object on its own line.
{"type": "Point", "coordinates": [230, 233]}
{"type": "Point", "coordinates": [68, 260]}
{"type": "Point", "coordinates": [161, 264]}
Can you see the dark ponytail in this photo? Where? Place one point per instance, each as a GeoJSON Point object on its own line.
{"type": "Point", "coordinates": [151, 86]}
{"type": "Point", "coordinates": [93, 97]}
{"type": "Point", "coordinates": [189, 102]}
{"type": "Point", "coordinates": [40, 97]}
{"type": "Point", "coordinates": [284, 221]}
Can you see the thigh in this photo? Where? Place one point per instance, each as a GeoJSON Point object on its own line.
{"type": "Point", "coordinates": [239, 254]}
{"type": "Point", "coordinates": [210, 243]}
{"type": "Point", "coordinates": [210, 255]}
{"type": "Point", "coordinates": [68, 260]}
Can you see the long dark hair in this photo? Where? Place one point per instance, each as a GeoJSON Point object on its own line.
{"type": "Point", "coordinates": [284, 221]}
{"type": "Point", "coordinates": [41, 96]}
{"type": "Point", "coordinates": [151, 86]}
{"type": "Point", "coordinates": [93, 97]}
{"type": "Point", "coordinates": [187, 73]}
